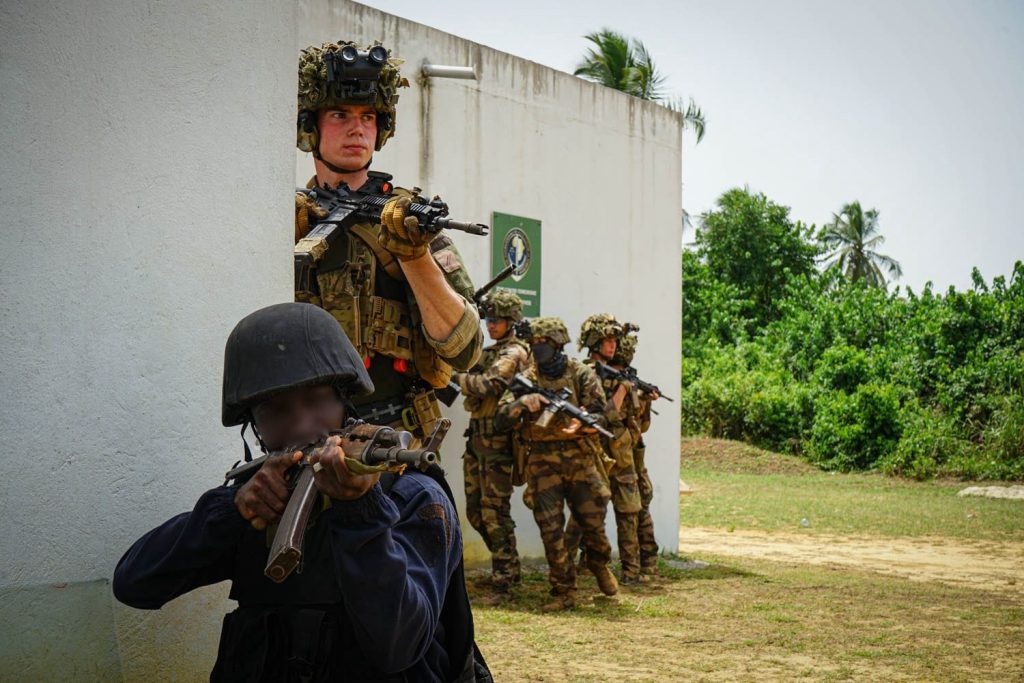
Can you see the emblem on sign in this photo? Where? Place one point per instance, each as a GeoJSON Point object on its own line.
{"type": "Point", "coordinates": [516, 250]}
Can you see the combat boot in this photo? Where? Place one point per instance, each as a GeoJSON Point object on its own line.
{"type": "Point", "coordinates": [605, 579]}
{"type": "Point", "coordinates": [628, 579]}
{"type": "Point", "coordinates": [495, 598]}
{"type": "Point", "coordinates": [649, 570]}
{"type": "Point", "coordinates": [500, 592]}
{"type": "Point", "coordinates": [560, 602]}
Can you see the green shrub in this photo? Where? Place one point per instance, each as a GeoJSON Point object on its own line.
{"type": "Point", "coordinates": [930, 440]}
{"type": "Point", "coordinates": [843, 368]}
{"type": "Point", "coordinates": [853, 431]}
{"type": "Point", "coordinates": [854, 377]}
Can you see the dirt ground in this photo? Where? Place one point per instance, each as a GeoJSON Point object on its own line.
{"type": "Point", "coordinates": [814, 604]}
{"type": "Point", "coordinates": [986, 565]}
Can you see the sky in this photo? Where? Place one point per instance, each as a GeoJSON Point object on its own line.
{"type": "Point", "coordinates": [912, 107]}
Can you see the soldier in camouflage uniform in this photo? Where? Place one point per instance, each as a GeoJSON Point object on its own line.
{"type": "Point", "coordinates": [600, 335]}
{"type": "Point", "coordinates": [561, 466]}
{"type": "Point", "coordinates": [645, 524]}
{"type": "Point", "coordinates": [487, 463]}
{"type": "Point", "coordinates": [402, 295]}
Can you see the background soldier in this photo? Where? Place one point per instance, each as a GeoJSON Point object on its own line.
{"type": "Point", "coordinates": [600, 335]}
{"type": "Point", "coordinates": [645, 524]}
{"type": "Point", "coordinates": [561, 467]}
{"type": "Point", "coordinates": [488, 461]}
{"type": "Point", "coordinates": [402, 296]}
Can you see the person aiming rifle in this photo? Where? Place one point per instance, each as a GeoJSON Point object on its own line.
{"type": "Point", "coordinates": [381, 592]}
{"type": "Point", "coordinates": [561, 465]}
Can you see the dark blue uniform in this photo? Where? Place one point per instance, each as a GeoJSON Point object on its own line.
{"type": "Point", "coordinates": [366, 604]}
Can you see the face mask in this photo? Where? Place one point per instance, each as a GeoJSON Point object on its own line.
{"type": "Point", "coordinates": [544, 353]}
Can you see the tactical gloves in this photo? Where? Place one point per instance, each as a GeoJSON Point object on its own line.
{"type": "Point", "coordinates": [401, 234]}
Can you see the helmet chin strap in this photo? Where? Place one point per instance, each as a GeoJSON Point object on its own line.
{"type": "Point", "coordinates": [339, 169]}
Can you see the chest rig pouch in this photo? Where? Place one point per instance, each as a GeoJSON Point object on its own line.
{"type": "Point", "coordinates": [375, 308]}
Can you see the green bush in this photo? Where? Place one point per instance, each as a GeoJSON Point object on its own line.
{"type": "Point", "coordinates": [930, 441]}
{"type": "Point", "coordinates": [1001, 455]}
{"type": "Point", "coordinates": [843, 368]}
{"type": "Point", "coordinates": [853, 431]}
{"type": "Point", "coordinates": [854, 377]}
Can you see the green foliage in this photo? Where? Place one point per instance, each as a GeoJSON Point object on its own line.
{"type": "Point", "coordinates": [852, 431]}
{"type": "Point", "coordinates": [623, 63]}
{"type": "Point", "coordinates": [750, 243]}
{"type": "Point", "coordinates": [851, 239]}
{"type": "Point", "coordinates": [850, 375]}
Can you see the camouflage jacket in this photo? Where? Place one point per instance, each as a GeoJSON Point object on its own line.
{"type": "Point", "coordinates": [484, 384]}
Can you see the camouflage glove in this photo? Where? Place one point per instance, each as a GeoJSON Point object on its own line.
{"type": "Point", "coordinates": [401, 234]}
{"type": "Point", "coordinates": [306, 212]}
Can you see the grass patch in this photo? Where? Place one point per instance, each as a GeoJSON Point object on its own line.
{"type": "Point", "coordinates": [752, 620]}
{"type": "Point", "coordinates": [741, 487]}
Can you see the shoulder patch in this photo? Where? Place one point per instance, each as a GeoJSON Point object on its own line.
{"type": "Point", "coordinates": [436, 511]}
{"type": "Point", "coordinates": [440, 242]}
{"type": "Point", "coordinates": [448, 261]}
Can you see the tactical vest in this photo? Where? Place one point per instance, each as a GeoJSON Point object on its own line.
{"type": "Point", "coordinates": [298, 630]}
{"type": "Point", "coordinates": [362, 285]}
{"type": "Point", "coordinates": [569, 380]}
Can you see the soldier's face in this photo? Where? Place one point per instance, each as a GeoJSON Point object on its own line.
{"type": "Point", "coordinates": [347, 135]}
{"type": "Point", "coordinates": [298, 416]}
{"type": "Point", "coordinates": [608, 346]}
{"type": "Point", "coordinates": [497, 327]}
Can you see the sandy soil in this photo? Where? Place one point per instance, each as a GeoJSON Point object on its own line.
{"type": "Point", "coordinates": [987, 565]}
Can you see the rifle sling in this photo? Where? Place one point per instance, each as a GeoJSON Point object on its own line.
{"type": "Point", "coordinates": [387, 260]}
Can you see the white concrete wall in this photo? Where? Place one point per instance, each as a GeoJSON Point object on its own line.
{"type": "Point", "coordinates": [601, 170]}
{"type": "Point", "coordinates": [146, 151]}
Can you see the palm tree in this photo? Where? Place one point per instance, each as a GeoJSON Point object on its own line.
{"type": "Point", "coordinates": [851, 239]}
{"type": "Point", "coordinates": [623, 63]}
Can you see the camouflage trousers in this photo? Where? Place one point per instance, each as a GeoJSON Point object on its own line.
{"type": "Point", "coordinates": [560, 473]}
{"type": "Point", "coordinates": [645, 525]}
{"type": "Point", "coordinates": [488, 479]}
{"type": "Point", "coordinates": [626, 503]}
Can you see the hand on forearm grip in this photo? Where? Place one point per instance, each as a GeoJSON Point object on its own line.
{"type": "Point", "coordinates": [400, 233]}
{"type": "Point", "coordinates": [332, 475]}
{"type": "Point", "coordinates": [533, 402]}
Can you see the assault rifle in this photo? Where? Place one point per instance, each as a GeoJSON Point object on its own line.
{"type": "Point", "coordinates": [481, 294]}
{"type": "Point", "coordinates": [558, 402]}
{"type": "Point", "coordinates": [369, 444]}
{"type": "Point", "coordinates": [628, 374]}
{"type": "Point", "coordinates": [345, 207]}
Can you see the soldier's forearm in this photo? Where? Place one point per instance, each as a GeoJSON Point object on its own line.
{"type": "Point", "coordinates": [480, 385]}
{"type": "Point", "coordinates": [442, 308]}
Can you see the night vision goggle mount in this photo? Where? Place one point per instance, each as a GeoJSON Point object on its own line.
{"type": "Point", "coordinates": [352, 74]}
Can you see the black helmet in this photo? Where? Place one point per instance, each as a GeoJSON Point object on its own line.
{"type": "Point", "coordinates": [285, 346]}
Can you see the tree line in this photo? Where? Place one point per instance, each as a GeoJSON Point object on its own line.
{"type": "Point", "coordinates": [792, 341]}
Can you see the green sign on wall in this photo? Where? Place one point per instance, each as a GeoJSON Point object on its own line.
{"type": "Point", "coordinates": [516, 240]}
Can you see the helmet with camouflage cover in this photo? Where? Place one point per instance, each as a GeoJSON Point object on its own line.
{"type": "Point", "coordinates": [597, 327]}
{"type": "Point", "coordinates": [503, 304]}
{"type": "Point", "coordinates": [345, 73]}
{"type": "Point", "coordinates": [552, 328]}
{"type": "Point", "coordinates": [287, 346]}
{"type": "Point", "coordinates": [625, 350]}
